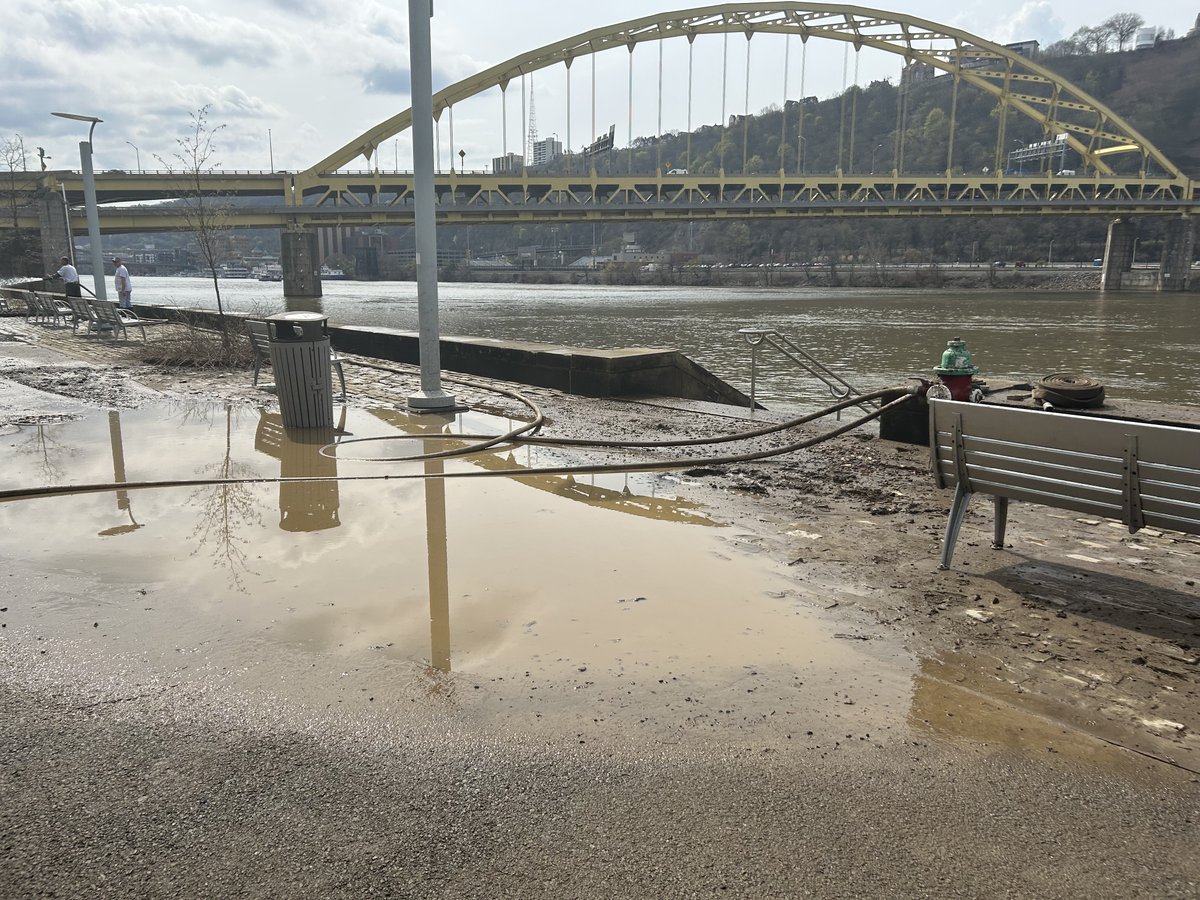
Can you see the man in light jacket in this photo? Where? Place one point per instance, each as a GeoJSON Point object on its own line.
{"type": "Point", "coordinates": [123, 285]}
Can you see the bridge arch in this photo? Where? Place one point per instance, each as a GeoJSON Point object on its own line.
{"type": "Point", "coordinates": [1093, 130]}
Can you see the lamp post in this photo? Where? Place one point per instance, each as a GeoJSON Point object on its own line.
{"type": "Point", "coordinates": [138, 154]}
{"type": "Point", "coordinates": [1050, 253]}
{"type": "Point", "coordinates": [431, 397]}
{"type": "Point", "coordinates": [800, 153]}
{"type": "Point", "coordinates": [876, 149]}
{"type": "Point", "coordinates": [89, 199]}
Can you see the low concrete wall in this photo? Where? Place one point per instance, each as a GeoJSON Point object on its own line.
{"type": "Point", "coordinates": [629, 372]}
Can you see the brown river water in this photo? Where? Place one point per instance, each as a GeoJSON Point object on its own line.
{"type": "Point", "coordinates": [1143, 346]}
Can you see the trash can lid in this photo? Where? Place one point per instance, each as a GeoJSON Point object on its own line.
{"type": "Point", "coordinates": [298, 317]}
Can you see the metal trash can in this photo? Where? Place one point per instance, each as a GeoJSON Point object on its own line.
{"type": "Point", "coordinates": [299, 348]}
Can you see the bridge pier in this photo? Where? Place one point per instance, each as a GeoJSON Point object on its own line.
{"type": "Point", "coordinates": [55, 231]}
{"type": "Point", "coordinates": [301, 261]}
{"type": "Point", "coordinates": [1118, 253]}
{"type": "Point", "coordinates": [1178, 251]}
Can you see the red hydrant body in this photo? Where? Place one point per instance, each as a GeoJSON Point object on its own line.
{"type": "Point", "coordinates": [956, 371]}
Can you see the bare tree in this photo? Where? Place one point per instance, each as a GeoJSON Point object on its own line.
{"type": "Point", "coordinates": [206, 212]}
{"type": "Point", "coordinates": [1065, 47]}
{"type": "Point", "coordinates": [16, 251]}
{"type": "Point", "coordinates": [1092, 40]}
{"type": "Point", "coordinates": [1123, 26]}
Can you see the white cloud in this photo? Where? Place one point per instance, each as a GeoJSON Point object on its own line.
{"type": "Point", "coordinates": [1034, 20]}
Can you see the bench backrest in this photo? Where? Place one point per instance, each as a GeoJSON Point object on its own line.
{"type": "Point", "coordinates": [1137, 472]}
{"type": "Point", "coordinates": [82, 309]}
{"type": "Point", "coordinates": [107, 315]}
{"type": "Point", "coordinates": [260, 338]}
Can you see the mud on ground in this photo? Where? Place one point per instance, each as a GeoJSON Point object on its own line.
{"type": "Point", "coordinates": [1092, 629]}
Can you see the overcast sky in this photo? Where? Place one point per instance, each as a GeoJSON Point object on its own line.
{"type": "Point", "coordinates": [293, 80]}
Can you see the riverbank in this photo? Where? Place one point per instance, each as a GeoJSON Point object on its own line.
{"type": "Point", "coordinates": [1063, 667]}
{"type": "Point", "coordinates": [1033, 278]}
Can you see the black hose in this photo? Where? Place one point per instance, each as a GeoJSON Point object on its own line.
{"type": "Point", "coordinates": [1066, 389]}
{"type": "Point", "coordinates": [687, 463]}
{"type": "Point", "coordinates": [587, 442]}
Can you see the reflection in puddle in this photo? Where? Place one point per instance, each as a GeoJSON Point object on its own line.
{"type": "Point", "coordinates": [303, 505]}
{"type": "Point", "coordinates": [118, 457]}
{"type": "Point", "coordinates": [574, 595]}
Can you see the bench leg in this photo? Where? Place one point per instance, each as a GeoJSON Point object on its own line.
{"type": "Point", "coordinates": [1001, 507]}
{"type": "Point", "coordinates": [257, 365]}
{"type": "Point", "coordinates": [958, 511]}
{"type": "Point", "coordinates": [341, 376]}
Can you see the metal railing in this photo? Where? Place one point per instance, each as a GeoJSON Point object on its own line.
{"type": "Point", "coordinates": [759, 336]}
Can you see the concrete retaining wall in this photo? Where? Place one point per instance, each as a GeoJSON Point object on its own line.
{"type": "Point", "coordinates": [628, 372]}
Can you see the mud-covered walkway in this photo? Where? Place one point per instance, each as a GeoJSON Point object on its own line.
{"type": "Point", "coordinates": [820, 711]}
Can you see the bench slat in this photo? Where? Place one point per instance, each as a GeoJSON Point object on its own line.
{"type": "Point", "coordinates": [1017, 484]}
{"type": "Point", "coordinates": [1167, 491]}
{"type": "Point", "coordinates": [1175, 509]}
{"type": "Point", "coordinates": [1169, 474]}
{"type": "Point", "coordinates": [1086, 474]}
{"type": "Point", "coordinates": [1051, 455]}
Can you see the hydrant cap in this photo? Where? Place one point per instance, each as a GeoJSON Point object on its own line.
{"type": "Point", "coordinates": [956, 360]}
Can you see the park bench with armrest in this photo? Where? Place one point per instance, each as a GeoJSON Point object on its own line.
{"type": "Point", "coordinates": [110, 316]}
{"type": "Point", "coordinates": [1139, 473]}
{"type": "Point", "coordinates": [52, 310]}
{"type": "Point", "coordinates": [82, 312]}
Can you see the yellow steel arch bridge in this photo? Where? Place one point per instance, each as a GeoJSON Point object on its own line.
{"type": "Point", "coordinates": [1121, 172]}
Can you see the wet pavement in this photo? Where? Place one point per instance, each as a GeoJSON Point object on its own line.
{"type": "Point", "coordinates": [595, 599]}
{"type": "Point", "coordinates": [750, 684]}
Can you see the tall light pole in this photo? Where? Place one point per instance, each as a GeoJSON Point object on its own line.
{"type": "Point", "coordinates": [1050, 253]}
{"type": "Point", "coordinates": [138, 154]}
{"type": "Point", "coordinates": [89, 200]}
{"type": "Point", "coordinates": [431, 396]}
{"type": "Point", "coordinates": [270, 150]}
{"type": "Point", "coordinates": [875, 150]}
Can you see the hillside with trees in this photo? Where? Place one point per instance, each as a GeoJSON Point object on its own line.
{"type": "Point", "coordinates": [874, 127]}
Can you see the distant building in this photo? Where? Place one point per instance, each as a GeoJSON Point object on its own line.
{"type": "Point", "coordinates": [1145, 38]}
{"type": "Point", "coordinates": [1028, 49]}
{"type": "Point", "coordinates": [917, 72]}
{"type": "Point", "coordinates": [508, 164]}
{"type": "Point", "coordinates": [547, 151]}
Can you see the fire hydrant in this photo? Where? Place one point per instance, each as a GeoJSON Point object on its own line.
{"type": "Point", "coordinates": [955, 373]}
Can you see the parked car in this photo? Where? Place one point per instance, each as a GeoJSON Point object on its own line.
{"type": "Point", "coordinates": [999, 264]}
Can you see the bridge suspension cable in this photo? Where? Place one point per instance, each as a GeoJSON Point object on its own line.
{"type": "Point", "coordinates": [1094, 131]}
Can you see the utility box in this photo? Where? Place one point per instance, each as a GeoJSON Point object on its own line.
{"type": "Point", "coordinates": [907, 423]}
{"type": "Point", "coordinates": [299, 346]}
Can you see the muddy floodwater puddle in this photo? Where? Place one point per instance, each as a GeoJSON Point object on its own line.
{"type": "Point", "coordinates": [535, 599]}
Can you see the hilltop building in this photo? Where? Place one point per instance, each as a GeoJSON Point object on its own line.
{"type": "Point", "coordinates": [547, 151]}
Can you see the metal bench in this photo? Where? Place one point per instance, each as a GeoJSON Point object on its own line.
{"type": "Point", "coordinates": [1135, 472]}
{"type": "Point", "coordinates": [47, 308]}
{"type": "Point", "coordinates": [110, 317]}
{"type": "Point", "coordinates": [260, 339]}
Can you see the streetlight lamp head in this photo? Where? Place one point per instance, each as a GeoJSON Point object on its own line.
{"type": "Point", "coordinates": [95, 120]}
{"type": "Point", "coordinates": [77, 117]}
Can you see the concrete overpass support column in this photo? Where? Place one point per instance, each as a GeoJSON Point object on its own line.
{"type": "Point", "coordinates": [1118, 253]}
{"type": "Point", "coordinates": [1179, 249]}
{"type": "Point", "coordinates": [55, 232]}
{"type": "Point", "coordinates": [301, 261]}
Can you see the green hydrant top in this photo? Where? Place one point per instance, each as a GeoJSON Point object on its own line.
{"type": "Point", "coordinates": [957, 359]}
